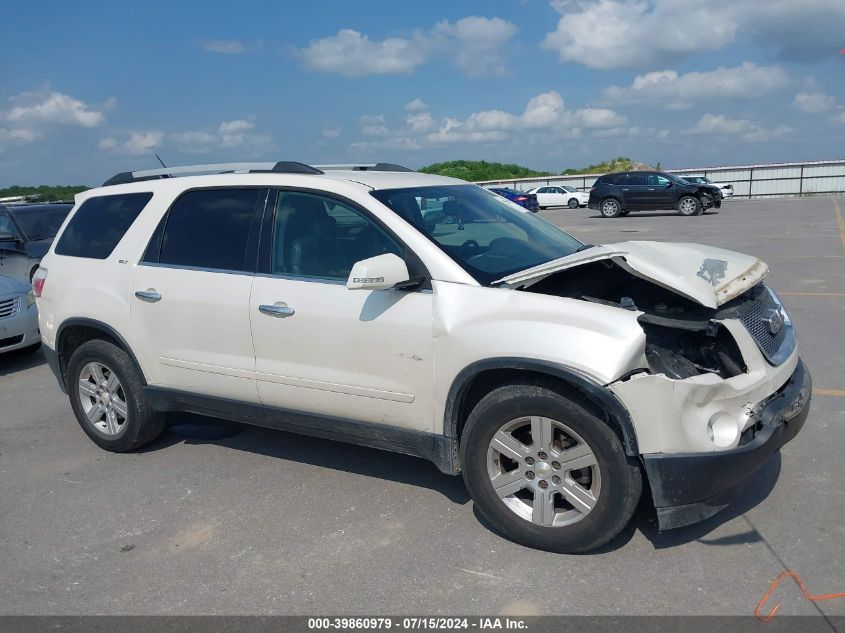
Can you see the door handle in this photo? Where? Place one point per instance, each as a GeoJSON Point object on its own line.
{"type": "Point", "coordinates": [150, 296]}
{"type": "Point", "coordinates": [278, 311]}
{"type": "Point", "coordinates": [651, 189]}
{"type": "Point", "coordinates": [624, 190]}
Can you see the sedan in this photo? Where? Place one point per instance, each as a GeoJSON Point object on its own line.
{"type": "Point", "coordinates": [726, 189]}
{"type": "Point", "coordinates": [26, 232]}
{"type": "Point", "coordinates": [560, 196]}
{"type": "Point", "coordinates": [18, 316]}
{"type": "Point", "coordinates": [526, 200]}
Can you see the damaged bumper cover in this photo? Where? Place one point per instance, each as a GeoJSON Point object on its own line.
{"type": "Point", "coordinates": [690, 487]}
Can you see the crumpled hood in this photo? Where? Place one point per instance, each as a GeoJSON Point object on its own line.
{"type": "Point", "coordinates": [705, 274]}
{"type": "Point", "coordinates": [11, 285]}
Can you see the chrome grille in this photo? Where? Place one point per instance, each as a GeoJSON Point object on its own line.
{"type": "Point", "coordinates": [775, 347]}
{"type": "Point", "coordinates": [8, 307]}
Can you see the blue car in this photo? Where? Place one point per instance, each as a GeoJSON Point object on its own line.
{"type": "Point", "coordinates": [527, 200]}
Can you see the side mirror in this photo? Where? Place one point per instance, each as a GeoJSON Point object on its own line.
{"type": "Point", "coordinates": [7, 237]}
{"type": "Point", "coordinates": [377, 273]}
{"type": "Point", "coordinates": [668, 184]}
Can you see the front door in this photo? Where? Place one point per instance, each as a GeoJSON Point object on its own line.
{"type": "Point", "coordinates": [635, 193]}
{"type": "Point", "coordinates": [190, 302]}
{"type": "Point", "coordinates": [320, 348]}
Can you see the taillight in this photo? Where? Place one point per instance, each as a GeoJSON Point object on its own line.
{"type": "Point", "coordinates": [38, 280]}
{"type": "Point", "coordinates": [521, 198]}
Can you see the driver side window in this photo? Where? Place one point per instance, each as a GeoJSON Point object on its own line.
{"type": "Point", "coordinates": [317, 236]}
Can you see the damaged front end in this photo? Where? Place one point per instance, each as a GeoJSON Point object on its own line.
{"type": "Point", "coordinates": [720, 386]}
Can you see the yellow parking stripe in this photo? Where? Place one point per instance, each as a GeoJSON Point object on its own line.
{"type": "Point", "coordinates": [836, 393]}
{"type": "Point", "coordinates": [840, 222]}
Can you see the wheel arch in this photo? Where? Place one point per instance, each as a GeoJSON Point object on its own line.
{"type": "Point", "coordinates": [75, 331]}
{"type": "Point", "coordinates": [477, 379]}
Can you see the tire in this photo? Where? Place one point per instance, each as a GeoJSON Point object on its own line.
{"type": "Point", "coordinates": [610, 208]}
{"type": "Point", "coordinates": [543, 208]}
{"type": "Point", "coordinates": [132, 422]}
{"type": "Point", "coordinates": [573, 203]}
{"type": "Point", "coordinates": [689, 205]}
{"type": "Point", "coordinates": [612, 482]}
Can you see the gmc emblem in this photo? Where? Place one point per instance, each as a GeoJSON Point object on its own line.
{"type": "Point", "coordinates": [774, 319]}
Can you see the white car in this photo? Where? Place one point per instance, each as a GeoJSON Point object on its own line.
{"type": "Point", "coordinates": [726, 188]}
{"type": "Point", "coordinates": [555, 376]}
{"type": "Point", "coordinates": [18, 316]}
{"type": "Point", "coordinates": [560, 196]}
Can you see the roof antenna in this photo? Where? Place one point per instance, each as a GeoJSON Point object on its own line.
{"type": "Point", "coordinates": [161, 161]}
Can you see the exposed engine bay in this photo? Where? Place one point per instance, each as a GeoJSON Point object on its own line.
{"type": "Point", "coordinates": [683, 338]}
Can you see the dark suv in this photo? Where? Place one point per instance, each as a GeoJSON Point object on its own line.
{"type": "Point", "coordinates": [618, 194]}
{"type": "Point", "coordinates": [26, 232]}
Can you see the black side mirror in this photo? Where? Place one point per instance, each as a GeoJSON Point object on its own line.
{"type": "Point", "coordinates": [668, 184]}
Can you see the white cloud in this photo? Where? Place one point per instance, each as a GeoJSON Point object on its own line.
{"type": "Point", "coordinates": [30, 114]}
{"type": "Point", "coordinates": [34, 109]}
{"type": "Point", "coordinates": [330, 132]}
{"type": "Point", "coordinates": [238, 133]}
{"type": "Point", "coordinates": [352, 54]}
{"type": "Point", "coordinates": [477, 41]}
{"type": "Point", "coordinates": [420, 121]}
{"type": "Point", "coordinates": [226, 47]}
{"type": "Point", "coordinates": [635, 33]}
{"type": "Point", "coordinates": [371, 119]}
{"type": "Point", "coordinates": [138, 143]}
{"type": "Point", "coordinates": [676, 91]}
{"type": "Point", "coordinates": [744, 129]}
{"type": "Point", "coordinates": [814, 102]}
{"type": "Point", "coordinates": [472, 43]}
{"type": "Point", "coordinates": [417, 105]}
{"type": "Point", "coordinates": [839, 118]}
{"type": "Point", "coordinates": [375, 130]}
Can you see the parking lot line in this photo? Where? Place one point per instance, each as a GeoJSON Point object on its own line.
{"type": "Point", "coordinates": [840, 222]}
{"type": "Point", "coordinates": [835, 393]}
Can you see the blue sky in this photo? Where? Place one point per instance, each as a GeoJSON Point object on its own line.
{"type": "Point", "coordinates": [90, 89]}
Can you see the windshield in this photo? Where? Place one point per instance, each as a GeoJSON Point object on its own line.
{"type": "Point", "coordinates": [487, 235]}
{"type": "Point", "coordinates": [41, 223]}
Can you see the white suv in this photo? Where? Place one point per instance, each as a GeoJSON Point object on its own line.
{"type": "Point", "coordinates": [554, 375]}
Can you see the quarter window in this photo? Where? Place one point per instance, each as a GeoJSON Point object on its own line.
{"type": "Point", "coordinates": [207, 229]}
{"type": "Point", "coordinates": [99, 224]}
{"type": "Point", "coordinates": [317, 236]}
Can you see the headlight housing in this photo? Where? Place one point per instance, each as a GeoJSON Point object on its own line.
{"type": "Point", "coordinates": [30, 299]}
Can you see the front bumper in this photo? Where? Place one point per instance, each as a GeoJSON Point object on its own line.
{"type": "Point", "coordinates": [690, 487]}
{"type": "Point", "coordinates": [20, 330]}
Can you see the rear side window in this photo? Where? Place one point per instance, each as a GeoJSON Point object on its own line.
{"type": "Point", "coordinates": [99, 224]}
{"type": "Point", "coordinates": [207, 229]}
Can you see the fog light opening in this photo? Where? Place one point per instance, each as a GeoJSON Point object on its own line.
{"type": "Point", "coordinates": [723, 430]}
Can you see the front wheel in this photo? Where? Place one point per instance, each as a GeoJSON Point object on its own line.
{"type": "Point", "coordinates": [611, 208]}
{"type": "Point", "coordinates": [689, 205]}
{"type": "Point", "coordinates": [573, 203]}
{"type": "Point", "coordinates": [545, 472]}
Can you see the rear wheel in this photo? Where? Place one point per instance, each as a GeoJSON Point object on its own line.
{"type": "Point", "coordinates": [689, 205]}
{"type": "Point", "coordinates": [545, 472]}
{"type": "Point", "coordinates": [573, 203]}
{"type": "Point", "coordinates": [107, 395]}
{"type": "Point", "coordinates": [610, 208]}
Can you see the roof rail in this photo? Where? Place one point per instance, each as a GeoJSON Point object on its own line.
{"type": "Point", "coordinates": [281, 167]}
{"type": "Point", "coordinates": [363, 167]}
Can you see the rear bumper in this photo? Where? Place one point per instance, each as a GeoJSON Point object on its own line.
{"type": "Point", "coordinates": [691, 487]}
{"type": "Point", "coordinates": [53, 361]}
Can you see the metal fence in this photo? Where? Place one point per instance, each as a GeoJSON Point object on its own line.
{"type": "Point", "coordinates": [749, 181]}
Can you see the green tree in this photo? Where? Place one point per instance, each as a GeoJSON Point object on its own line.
{"type": "Point", "coordinates": [44, 193]}
{"type": "Point", "coordinates": [473, 170]}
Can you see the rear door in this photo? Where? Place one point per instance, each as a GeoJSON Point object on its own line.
{"type": "Point", "coordinates": [364, 355]}
{"type": "Point", "coordinates": [635, 194]}
{"type": "Point", "coordinates": [190, 307]}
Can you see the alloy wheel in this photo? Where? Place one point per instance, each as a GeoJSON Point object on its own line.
{"type": "Point", "coordinates": [103, 398]}
{"type": "Point", "coordinates": [543, 471]}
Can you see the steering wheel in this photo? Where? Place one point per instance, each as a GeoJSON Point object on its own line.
{"type": "Point", "coordinates": [465, 251]}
